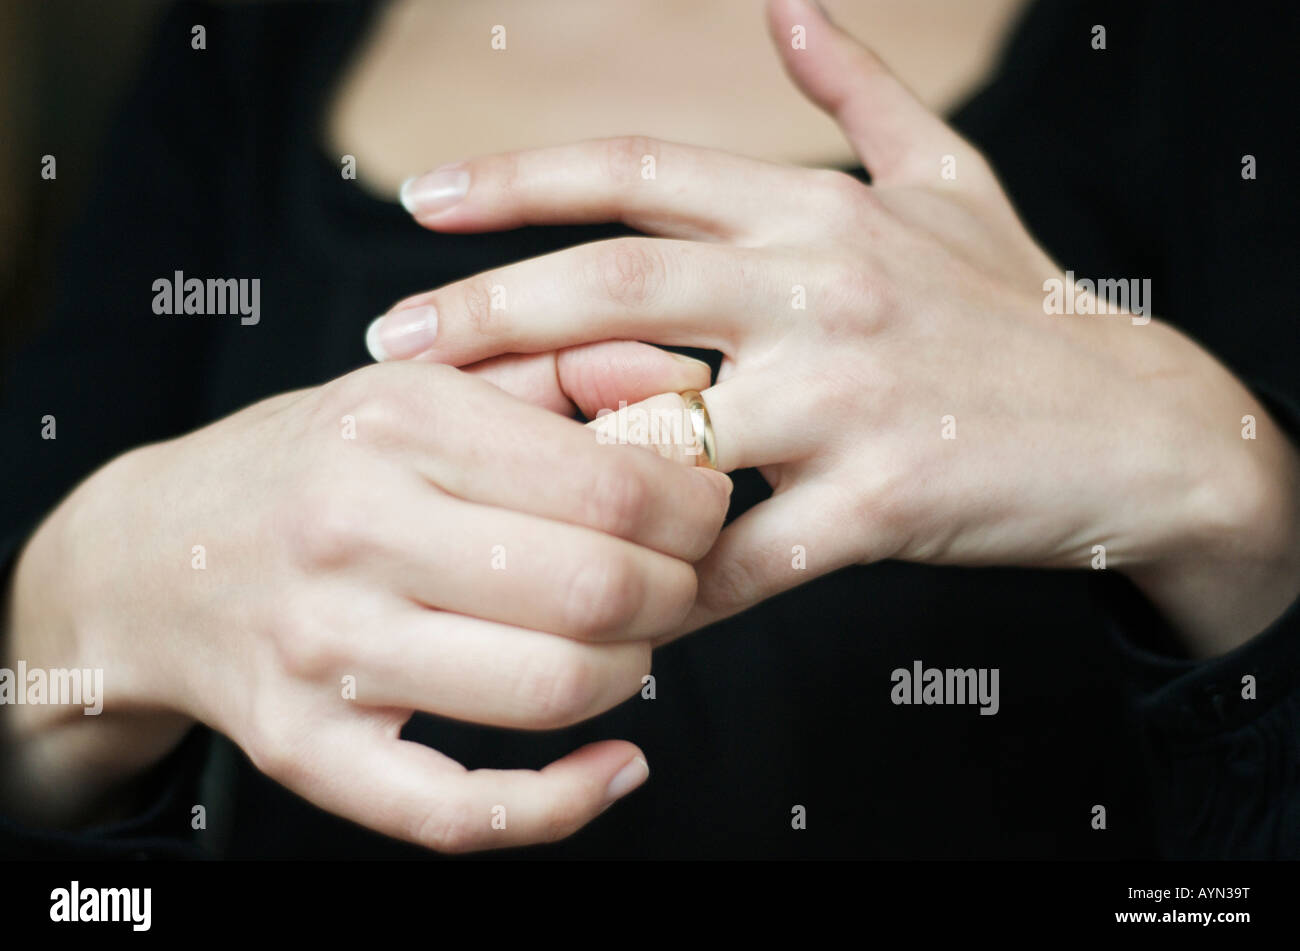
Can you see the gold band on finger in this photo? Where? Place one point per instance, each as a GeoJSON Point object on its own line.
{"type": "Point", "coordinates": [702, 426]}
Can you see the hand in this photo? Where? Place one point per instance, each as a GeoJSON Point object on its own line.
{"type": "Point", "coordinates": [466, 554]}
{"type": "Point", "coordinates": [888, 362]}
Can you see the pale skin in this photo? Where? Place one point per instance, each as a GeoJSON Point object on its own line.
{"type": "Point", "coordinates": [925, 316]}
{"type": "Point", "coordinates": [924, 300]}
{"type": "Point", "coordinates": [680, 70]}
{"type": "Point", "coordinates": [512, 574]}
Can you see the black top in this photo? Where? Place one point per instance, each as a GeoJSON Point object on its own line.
{"type": "Point", "coordinates": [1123, 162]}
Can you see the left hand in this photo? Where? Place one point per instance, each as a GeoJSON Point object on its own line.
{"type": "Point", "coordinates": [924, 320]}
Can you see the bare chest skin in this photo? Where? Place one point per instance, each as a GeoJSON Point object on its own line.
{"type": "Point", "coordinates": [429, 87]}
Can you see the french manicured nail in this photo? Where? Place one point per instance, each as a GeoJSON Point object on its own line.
{"type": "Point", "coordinates": [402, 333]}
{"type": "Point", "coordinates": [627, 779]}
{"type": "Point", "coordinates": [435, 191]}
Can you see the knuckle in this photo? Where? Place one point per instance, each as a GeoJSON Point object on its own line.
{"type": "Point", "coordinates": [272, 751]}
{"type": "Point", "coordinates": [618, 499]}
{"type": "Point", "coordinates": [842, 191]}
{"type": "Point", "coordinates": [562, 689]}
{"type": "Point", "coordinates": [602, 597]}
{"type": "Point", "coordinates": [361, 395]}
{"type": "Point", "coordinates": [375, 414]}
{"type": "Point", "coordinates": [446, 827]}
{"type": "Point", "coordinates": [685, 588]}
{"type": "Point", "coordinates": [630, 271]}
{"type": "Point", "coordinates": [475, 300]}
{"type": "Point", "coordinates": [884, 513]}
{"type": "Point", "coordinates": [731, 584]}
{"type": "Point", "coordinates": [624, 155]}
{"type": "Point", "coordinates": [372, 397]}
{"type": "Point", "coordinates": [701, 534]}
{"type": "Point", "coordinates": [327, 530]}
{"type": "Point", "coordinates": [303, 646]}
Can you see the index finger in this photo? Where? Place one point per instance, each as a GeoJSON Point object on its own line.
{"type": "Point", "coordinates": [493, 449]}
{"type": "Point", "coordinates": [660, 188]}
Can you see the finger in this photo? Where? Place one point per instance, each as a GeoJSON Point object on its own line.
{"type": "Point", "coordinates": [660, 424]}
{"type": "Point", "coordinates": [593, 376]}
{"type": "Point", "coordinates": [482, 671]}
{"type": "Point", "coordinates": [781, 543]}
{"type": "Point", "coordinates": [895, 135]}
{"type": "Point", "coordinates": [604, 375]}
{"type": "Point", "coordinates": [655, 290]}
{"type": "Point", "coordinates": [411, 792]}
{"type": "Point", "coordinates": [485, 446]}
{"type": "Point", "coordinates": [519, 569]}
{"type": "Point", "coordinates": [758, 419]}
{"type": "Point", "coordinates": [660, 188]}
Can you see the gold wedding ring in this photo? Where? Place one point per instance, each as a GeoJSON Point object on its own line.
{"type": "Point", "coordinates": [702, 426]}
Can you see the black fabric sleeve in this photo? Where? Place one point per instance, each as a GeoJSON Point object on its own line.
{"type": "Point", "coordinates": [1143, 187]}
{"type": "Point", "coordinates": [1222, 736]}
{"type": "Point", "coordinates": [113, 375]}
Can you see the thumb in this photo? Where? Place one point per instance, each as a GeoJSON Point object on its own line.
{"type": "Point", "coordinates": [894, 134]}
{"type": "Point", "coordinates": [593, 376]}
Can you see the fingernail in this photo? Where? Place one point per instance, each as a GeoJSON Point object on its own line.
{"type": "Point", "coordinates": [402, 333]}
{"type": "Point", "coordinates": [435, 191]}
{"type": "Point", "coordinates": [690, 361]}
{"type": "Point", "coordinates": [627, 779]}
{"type": "Point", "coordinates": [717, 478]}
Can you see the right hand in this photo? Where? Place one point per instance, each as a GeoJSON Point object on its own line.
{"type": "Point", "coordinates": [374, 558]}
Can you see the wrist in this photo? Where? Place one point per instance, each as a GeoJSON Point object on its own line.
{"type": "Point", "coordinates": [1234, 567]}
{"type": "Point", "coordinates": [69, 754]}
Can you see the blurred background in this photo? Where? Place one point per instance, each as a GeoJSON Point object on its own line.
{"type": "Point", "coordinates": [63, 66]}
